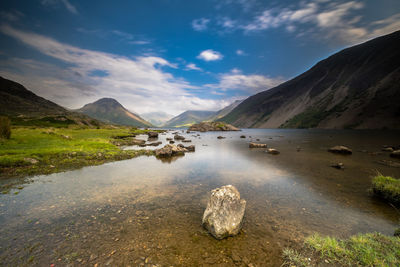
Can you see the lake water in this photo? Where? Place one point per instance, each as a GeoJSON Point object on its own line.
{"type": "Point", "coordinates": [145, 211]}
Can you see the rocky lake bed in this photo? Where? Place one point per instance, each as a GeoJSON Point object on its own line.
{"type": "Point", "coordinates": [147, 211]}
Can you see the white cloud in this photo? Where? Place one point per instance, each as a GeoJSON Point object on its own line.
{"type": "Point", "coordinates": [240, 52]}
{"type": "Point", "coordinates": [200, 24]}
{"type": "Point", "coordinates": [210, 55]}
{"type": "Point", "coordinates": [326, 20]}
{"type": "Point", "coordinates": [227, 23]}
{"type": "Point", "coordinates": [71, 8]}
{"type": "Point", "coordinates": [250, 84]}
{"type": "Point", "coordinates": [140, 83]}
{"type": "Point", "coordinates": [192, 66]}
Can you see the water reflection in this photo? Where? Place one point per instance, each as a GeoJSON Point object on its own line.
{"type": "Point", "coordinates": [142, 209]}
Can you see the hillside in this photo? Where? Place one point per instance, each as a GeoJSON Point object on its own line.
{"type": "Point", "coordinates": [188, 118]}
{"type": "Point", "coordinates": [157, 118]}
{"type": "Point", "coordinates": [223, 112]}
{"type": "Point", "coordinates": [110, 110]}
{"type": "Point", "coordinates": [26, 108]}
{"type": "Point", "coordinates": [358, 87]}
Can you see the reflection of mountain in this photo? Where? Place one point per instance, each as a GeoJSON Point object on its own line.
{"type": "Point", "coordinates": [359, 87]}
{"type": "Point", "coordinates": [188, 118]}
{"type": "Point", "coordinates": [111, 111]}
{"type": "Point", "coordinates": [157, 118]}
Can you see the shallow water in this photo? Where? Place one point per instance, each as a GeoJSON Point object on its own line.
{"type": "Point", "coordinates": [145, 211]}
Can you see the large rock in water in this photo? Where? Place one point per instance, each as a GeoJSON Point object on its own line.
{"type": "Point", "coordinates": [223, 216]}
{"type": "Point", "coordinates": [170, 150]}
{"type": "Point", "coordinates": [212, 126]}
{"type": "Point", "coordinates": [340, 150]}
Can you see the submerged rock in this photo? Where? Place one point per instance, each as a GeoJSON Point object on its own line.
{"type": "Point", "coordinates": [187, 141]}
{"type": "Point", "coordinates": [221, 137]}
{"type": "Point", "coordinates": [340, 150]}
{"type": "Point", "coordinates": [256, 145]}
{"type": "Point", "coordinates": [179, 137]}
{"type": "Point", "coordinates": [339, 166]}
{"type": "Point", "coordinates": [223, 216]}
{"type": "Point", "coordinates": [242, 136]}
{"type": "Point", "coordinates": [395, 154]}
{"type": "Point", "coordinates": [272, 151]}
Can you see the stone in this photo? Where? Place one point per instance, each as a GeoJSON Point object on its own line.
{"type": "Point", "coordinates": [395, 154]}
{"type": "Point", "coordinates": [172, 142]}
{"type": "Point", "coordinates": [221, 137]}
{"type": "Point", "coordinates": [152, 134]}
{"type": "Point", "coordinates": [187, 141]}
{"type": "Point", "coordinates": [339, 166]}
{"type": "Point", "coordinates": [168, 138]}
{"type": "Point", "coordinates": [340, 150]}
{"type": "Point", "coordinates": [388, 149]}
{"type": "Point", "coordinates": [31, 160]}
{"type": "Point", "coordinates": [242, 136]}
{"type": "Point", "coordinates": [154, 143]}
{"type": "Point", "coordinates": [223, 216]}
{"type": "Point", "coordinates": [257, 145]}
{"type": "Point", "coordinates": [190, 148]}
{"type": "Point", "coordinates": [179, 137]}
{"type": "Point", "coordinates": [272, 151]}
{"type": "Point", "coordinates": [212, 126]}
{"type": "Point", "coordinates": [170, 150]}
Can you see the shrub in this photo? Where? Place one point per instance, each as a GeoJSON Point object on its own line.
{"type": "Point", "coordinates": [387, 188]}
{"type": "Point", "coordinates": [5, 127]}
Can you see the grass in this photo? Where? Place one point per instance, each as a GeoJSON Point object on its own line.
{"type": "Point", "coordinates": [387, 188]}
{"type": "Point", "coordinates": [32, 151]}
{"type": "Point", "coordinates": [371, 249]}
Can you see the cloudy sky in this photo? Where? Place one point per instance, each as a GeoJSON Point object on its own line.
{"type": "Point", "coordinates": [175, 55]}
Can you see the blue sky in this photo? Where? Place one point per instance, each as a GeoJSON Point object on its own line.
{"type": "Point", "coordinates": [175, 55]}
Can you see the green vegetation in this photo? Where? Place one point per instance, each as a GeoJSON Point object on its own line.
{"type": "Point", "coordinates": [33, 151]}
{"type": "Point", "coordinates": [371, 249]}
{"type": "Point", "coordinates": [307, 119]}
{"type": "Point", "coordinates": [387, 188]}
{"type": "Point", "coordinates": [5, 127]}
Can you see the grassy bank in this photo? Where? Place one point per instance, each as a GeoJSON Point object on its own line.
{"type": "Point", "coordinates": [372, 249]}
{"type": "Point", "coordinates": [387, 188]}
{"type": "Point", "coordinates": [32, 150]}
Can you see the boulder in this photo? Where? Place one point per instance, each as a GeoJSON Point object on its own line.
{"type": "Point", "coordinates": [190, 148]}
{"type": "Point", "coordinates": [170, 150]}
{"type": "Point", "coordinates": [340, 150]}
{"type": "Point", "coordinates": [242, 136]}
{"type": "Point", "coordinates": [179, 137]}
{"type": "Point", "coordinates": [395, 154]}
{"type": "Point", "coordinates": [223, 216]}
{"type": "Point", "coordinates": [152, 134]}
{"type": "Point", "coordinates": [212, 126]}
{"type": "Point", "coordinates": [272, 151]}
{"type": "Point", "coordinates": [257, 145]}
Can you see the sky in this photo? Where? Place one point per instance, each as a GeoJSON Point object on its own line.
{"type": "Point", "coordinates": [176, 55]}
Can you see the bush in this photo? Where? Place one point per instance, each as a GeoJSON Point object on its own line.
{"type": "Point", "coordinates": [388, 188]}
{"type": "Point", "coordinates": [5, 127]}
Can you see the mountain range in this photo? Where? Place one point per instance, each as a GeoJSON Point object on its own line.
{"type": "Point", "coordinates": [157, 118]}
{"type": "Point", "coordinates": [111, 111]}
{"type": "Point", "coordinates": [358, 87]}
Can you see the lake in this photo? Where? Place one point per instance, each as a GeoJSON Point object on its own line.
{"type": "Point", "coordinates": [148, 212]}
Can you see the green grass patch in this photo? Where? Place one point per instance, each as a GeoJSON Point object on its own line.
{"type": "Point", "coordinates": [387, 188]}
{"type": "Point", "coordinates": [32, 151]}
{"type": "Point", "coordinates": [371, 249]}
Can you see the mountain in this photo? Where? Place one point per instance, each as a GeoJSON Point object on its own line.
{"type": "Point", "coordinates": [16, 100]}
{"type": "Point", "coordinates": [26, 108]}
{"type": "Point", "coordinates": [110, 110]}
{"type": "Point", "coordinates": [157, 118]}
{"type": "Point", "coordinates": [358, 87]}
{"type": "Point", "coordinates": [188, 118]}
{"type": "Point", "coordinates": [223, 112]}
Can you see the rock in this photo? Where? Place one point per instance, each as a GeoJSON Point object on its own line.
{"type": "Point", "coordinates": [388, 149]}
{"type": "Point", "coordinates": [242, 136]}
{"type": "Point", "coordinates": [340, 150]}
{"type": "Point", "coordinates": [339, 166]}
{"type": "Point", "coordinates": [221, 137]}
{"type": "Point", "coordinates": [257, 139]}
{"type": "Point", "coordinates": [223, 216]}
{"type": "Point", "coordinates": [179, 137]}
{"type": "Point", "coordinates": [395, 154]}
{"type": "Point", "coordinates": [152, 134]}
{"type": "Point", "coordinates": [154, 143]}
{"type": "Point", "coordinates": [256, 145]}
{"type": "Point", "coordinates": [186, 141]}
{"type": "Point", "coordinates": [188, 148]}
{"type": "Point", "coordinates": [272, 151]}
{"type": "Point", "coordinates": [212, 126]}
{"type": "Point", "coordinates": [172, 142]}
{"type": "Point", "coordinates": [170, 150]}
{"type": "Point", "coordinates": [168, 138]}
{"type": "Point", "coordinates": [31, 160]}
